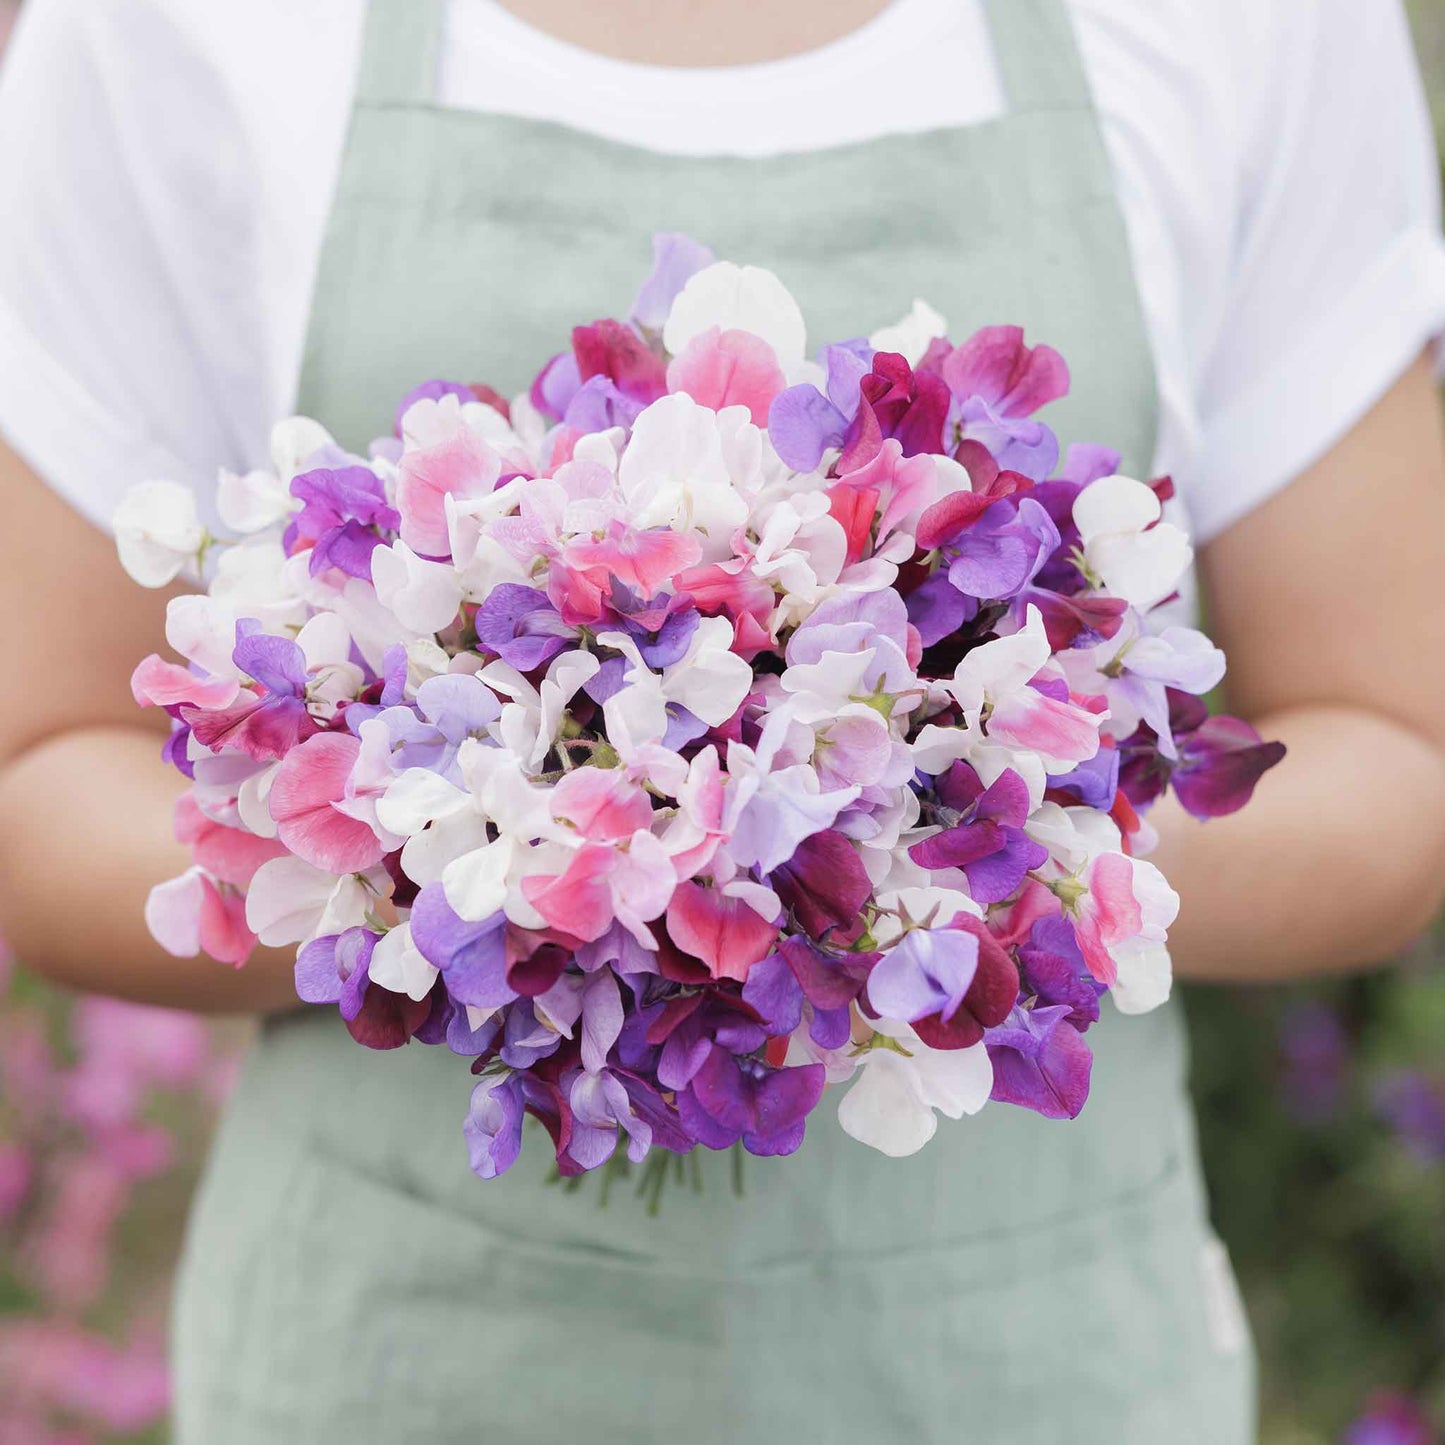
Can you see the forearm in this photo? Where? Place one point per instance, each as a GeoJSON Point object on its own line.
{"type": "Point", "coordinates": [85, 832]}
{"type": "Point", "coordinates": [1336, 864]}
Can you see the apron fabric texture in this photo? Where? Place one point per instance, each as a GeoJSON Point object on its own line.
{"type": "Point", "coordinates": [1019, 1281]}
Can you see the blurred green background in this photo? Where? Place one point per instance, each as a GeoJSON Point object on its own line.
{"type": "Point", "coordinates": [1322, 1114]}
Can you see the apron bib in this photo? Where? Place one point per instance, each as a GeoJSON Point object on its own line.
{"type": "Point", "coordinates": [1018, 1282]}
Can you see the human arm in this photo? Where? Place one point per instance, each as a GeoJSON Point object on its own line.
{"type": "Point", "coordinates": [85, 800]}
{"type": "Point", "coordinates": [1326, 602]}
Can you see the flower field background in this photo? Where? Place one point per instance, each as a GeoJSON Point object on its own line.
{"type": "Point", "coordinates": [1322, 1117]}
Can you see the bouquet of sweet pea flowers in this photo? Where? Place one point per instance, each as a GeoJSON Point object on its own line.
{"type": "Point", "coordinates": [706, 725]}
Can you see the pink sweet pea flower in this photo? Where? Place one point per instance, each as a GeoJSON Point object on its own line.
{"type": "Point", "coordinates": [725, 932]}
{"type": "Point", "coordinates": [628, 883]}
{"type": "Point", "coordinates": [462, 465]}
{"type": "Point", "coordinates": [309, 785]}
{"type": "Point", "coordinates": [602, 804]}
{"type": "Point", "coordinates": [191, 914]}
{"type": "Point", "coordinates": [646, 561]}
{"type": "Point", "coordinates": [229, 855]}
{"type": "Point", "coordinates": [728, 368]}
{"type": "Point", "coordinates": [158, 683]}
{"type": "Point", "coordinates": [1121, 924]}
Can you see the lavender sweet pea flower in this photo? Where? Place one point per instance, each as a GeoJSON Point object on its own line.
{"type": "Point", "coordinates": [493, 1126]}
{"type": "Point", "coordinates": [676, 257]}
{"type": "Point", "coordinates": [449, 710]}
{"type": "Point", "coordinates": [472, 957]}
{"type": "Point", "coordinates": [1040, 1062]}
{"type": "Point", "coordinates": [928, 972]}
{"type": "Point", "coordinates": [938, 609]}
{"type": "Point", "coordinates": [803, 422]}
{"type": "Point", "coordinates": [598, 404]}
{"type": "Point", "coordinates": [522, 627]}
{"type": "Point", "coordinates": [1000, 554]}
{"type": "Point", "coordinates": [525, 1037]}
{"type": "Point", "coordinates": [985, 833]}
{"type": "Point", "coordinates": [733, 1099]}
{"type": "Point", "coordinates": [344, 513]}
{"type": "Point", "coordinates": [601, 1107]}
{"type": "Point", "coordinates": [1414, 1107]}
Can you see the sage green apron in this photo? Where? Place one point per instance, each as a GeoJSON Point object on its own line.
{"type": "Point", "coordinates": [1018, 1282]}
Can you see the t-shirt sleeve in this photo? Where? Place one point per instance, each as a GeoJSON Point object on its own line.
{"type": "Point", "coordinates": [127, 271]}
{"type": "Point", "coordinates": [1337, 275]}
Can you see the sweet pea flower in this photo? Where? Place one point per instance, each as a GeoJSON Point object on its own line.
{"type": "Point", "coordinates": [728, 368]}
{"type": "Point", "coordinates": [676, 258]}
{"type": "Point", "coordinates": [1125, 544]}
{"type": "Point", "coordinates": [1121, 923]}
{"type": "Point", "coordinates": [997, 383]}
{"type": "Point", "coordinates": [737, 298]}
{"type": "Point", "coordinates": [459, 465]}
{"type": "Point", "coordinates": [804, 422]}
{"type": "Point", "coordinates": [1041, 1062]}
{"type": "Point", "coordinates": [992, 685]}
{"type": "Point", "coordinates": [158, 532]}
{"type": "Point", "coordinates": [344, 513]}
{"type": "Point", "coordinates": [195, 914]}
{"type": "Point", "coordinates": [900, 1083]}
{"type": "Point", "coordinates": [732, 1099]}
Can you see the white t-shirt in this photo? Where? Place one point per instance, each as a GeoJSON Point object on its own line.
{"type": "Point", "coordinates": [166, 168]}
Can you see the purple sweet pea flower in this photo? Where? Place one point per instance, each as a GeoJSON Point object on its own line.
{"type": "Point", "coordinates": [601, 1107]}
{"type": "Point", "coordinates": [1052, 967]}
{"type": "Point", "coordinates": [336, 969]}
{"type": "Point", "coordinates": [1041, 1062]}
{"type": "Point", "coordinates": [1220, 759]}
{"type": "Point", "coordinates": [344, 513]}
{"type": "Point", "coordinates": [521, 626]}
{"type": "Point", "coordinates": [472, 957]}
{"type": "Point", "coordinates": [938, 609]}
{"type": "Point", "coordinates": [779, 985]}
{"type": "Point", "coordinates": [984, 833]}
{"type": "Point", "coordinates": [493, 1126]}
{"type": "Point", "coordinates": [1000, 553]}
{"type": "Point", "coordinates": [734, 1098]}
{"type": "Point", "coordinates": [1094, 782]}
{"type": "Point", "coordinates": [927, 972]}
{"type": "Point", "coordinates": [690, 1024]}
{"type": "Point", "coordinates": [803, 422]}
{"type": "Point", "coordinates": [676, 258]}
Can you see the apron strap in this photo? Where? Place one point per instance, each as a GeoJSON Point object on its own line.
{"type": "Point", "coordinates": [400, 44]}
{"type": "Point", "coordinates": [1038, 55]}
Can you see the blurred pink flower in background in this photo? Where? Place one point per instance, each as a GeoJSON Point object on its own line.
{"type": "Point", "coordinates": [100, 1101]}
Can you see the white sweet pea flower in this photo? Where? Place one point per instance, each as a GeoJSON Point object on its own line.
{"type": "Point", "coordinates": [891, 1104]}
{"type": "Point", "coordinates": [531, 722]}
{"type": "Point", "coordinates": [674, 474]}
{"type": "Point", "coordinates": [291, 902]}
{"type": "Point", "coordinates": [294, 442]}
{"type": "Point", "coordinates": [929, 903]}
{"type": "Point", "coordinates": [737, 298]}
{"type": "Point", "coordinates": [253, 501]}
{"type": "Point", "coordinates": [709, 680]}
{"type": "Point", "coordinates": [910, 335]}
{"type": "Point", "coordinates": [423, 595]}
{"type": "Point", "coordinates": [158, 533]}
{"type": "Point", "coordinates": [325, 642]}
{"type": "Point", "coordinates": [203, 631]}
{"type": "Point", "coordinates": [1142, 566]}
{"type": "Point", "coordinates": [397, 964]}
{"type": "Point", "coordinates": [257, 579]}
{"type": "Point", "coordinates": [991, 686]}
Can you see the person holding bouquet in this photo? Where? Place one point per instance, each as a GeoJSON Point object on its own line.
{"type": "Point", "coordinates": [1226, 217]}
